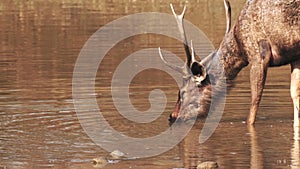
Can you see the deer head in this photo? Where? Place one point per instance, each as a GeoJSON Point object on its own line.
{"type": "Point", "coordinates": [195, 93]}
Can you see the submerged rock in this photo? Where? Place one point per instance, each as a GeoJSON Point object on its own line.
{"type": "Point", "coordinates": [99, 162]}
{"type": "Point", "coordinates": [117, 154]}
{"type": "Point", "coordinates": [208, 165]}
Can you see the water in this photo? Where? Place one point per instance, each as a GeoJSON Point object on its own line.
{"type": "Point", "coordinates": [40, 42]}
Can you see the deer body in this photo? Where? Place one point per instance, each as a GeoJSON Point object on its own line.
{"type": "Point", "coordinates": [277, 22]}
{"type": "Point", "coordinates": [266, 34]}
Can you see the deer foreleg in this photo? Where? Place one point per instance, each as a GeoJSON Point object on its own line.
{"type": "Point", "coordinates": [258, 74]}
{"type": "Point", "coordinates": [295, 90]}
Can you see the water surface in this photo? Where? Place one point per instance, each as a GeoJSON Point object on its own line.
{"type": "Point", "coordinates": [40, 42]}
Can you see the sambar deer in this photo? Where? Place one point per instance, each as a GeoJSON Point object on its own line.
{"type": "Point", "coordinates": [266, 34]}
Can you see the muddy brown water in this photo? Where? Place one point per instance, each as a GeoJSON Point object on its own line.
{"type": "Point", "coordinates": [40, 42]}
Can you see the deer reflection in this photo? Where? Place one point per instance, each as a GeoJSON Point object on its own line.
{"type": "Point", "coordinates": [220, 148]}
{"type": "Point", "coordinates": [256, 161]}
{"type": "Point", "coordinates": [295, 150]}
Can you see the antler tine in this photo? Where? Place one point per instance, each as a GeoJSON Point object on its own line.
{"type": "Point", "coordinates": [228, 15]}
{"type": "Point", "coordinates": [182, 13]}
{"type": "Point", "coordinates": [179, 20]}
{"type": "Point", "coordinates": [207, 59]}
{"type": "Point", "coordinates": [173, 11]}
{"type": "Point", "coordinates": [203, 76]}
{"type": "Point", "coordinates": [193, 52]}
{"type": "Point", "coordinates": [172, 66]}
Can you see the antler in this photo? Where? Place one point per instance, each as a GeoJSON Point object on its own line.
{"type": "Point", "coordinates": [172, 66]}
{"type": "Point", "coordinates": [179, 20]}
{"type": "Point", "coordinates": [207, 59]}
{"type": "Point", "coordinates": [228, 15]}
{"type": "Point", "coordinates": [193, 52]}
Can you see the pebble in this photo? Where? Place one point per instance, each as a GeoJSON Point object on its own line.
{"type": "Point", "coordinates": [99, 162]}
{"type": "Point", "coordinates": [117, 154]}
{"type": "Point", "coordinates": [208, 165]}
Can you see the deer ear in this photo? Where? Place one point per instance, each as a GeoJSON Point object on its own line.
{"type": "Point", "coordinates": [199, 71]}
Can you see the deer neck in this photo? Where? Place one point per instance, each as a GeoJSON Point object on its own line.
{"type": "Point", "coordinates": [231, 55]}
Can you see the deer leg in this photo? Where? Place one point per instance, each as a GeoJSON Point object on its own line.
{"type": "Point", "coordinates": [295, 90]}
{"type": "Point", "coordinates": [258, 74]}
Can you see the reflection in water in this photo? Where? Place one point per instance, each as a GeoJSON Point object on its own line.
{"type": "Point", "coordinates": [39, 44]}
{"type": "Point", "coordinates": [295, 153]}
{"type": "Point", "coordinates": [256, 152]}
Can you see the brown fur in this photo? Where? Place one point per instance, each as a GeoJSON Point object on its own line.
{"type": "Point", "coordinates": [266, 34]}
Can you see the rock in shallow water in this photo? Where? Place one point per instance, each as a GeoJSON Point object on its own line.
{"type": "Point", "coordinates": [99, 162]}
{"type": "Point", "coordinates": [208, 165]}
{"type": "Point", "coordinates": [117, 154]}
